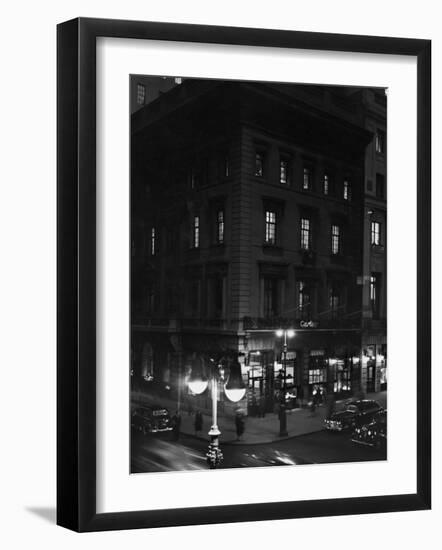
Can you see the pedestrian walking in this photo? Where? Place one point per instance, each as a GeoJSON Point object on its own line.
{"type": "Point", "coordinates": [176, 424]}
{"type": "Point", "coordinates": [198, 422]}
{"type": "Point", "coordinates": [239, 424]}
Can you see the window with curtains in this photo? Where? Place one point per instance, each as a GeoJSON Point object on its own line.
{"type": "Point", "coordinates": [270, 227]}
{"type": "Point", "coordinates": [336, 240]}
{"type": "Point", "coordinates": [326, 184]}
{"type": "Point", "coordinates": [220, 226]}
{"type": "Point", "coordinates": [375, 294]}
{"type": "Point", "coordinates": [196, 232]}
{"type": "Point", "coordinates": [153, 241]}
{"type": "Point", "coordinates": [375, 234]}
{"type": "Point", "coordinates": [307, 178]}
{"type": "Point", "coordinates": [306, 234]}
{"type": "Point", "coordinates": [347, 190]}
{"type": "Point", "coordinates": [304, 297]}
{"type": "Point", "coordinates": [284, 171]}
{"type": "Point", "coordinates": [259, 164]}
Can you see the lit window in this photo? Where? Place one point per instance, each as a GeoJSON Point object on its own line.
{"type": "Point", "coordinates": [347, 190]}
{"type": "Point", "coordinates": [335, 239]}
{"type": "Point", "coordinates": [152, 241]}
{"type": "Point", "coordinates": [326, 184]}
{"type": "Point", "coordinates": [380, 141]}
{"type": "Point", "coordinates": [283, 171]}
{"type": "Point", "coordinates": [306, 236]}
{"type": "Point", "coordinates": [375, 233]}
{"type": "Point", "coordinates": [196, 232]}
{"type": "Point", "coordinates": [141, 94]}
{"type": "Point", "coordinates": [307, 181]}
{"type": "Point", "coordinates": [259, 164]}
{"type": "Point", "coordinates": [270, 227]}
{"type": "Point", "coordinates": [317, 376]}
{"type": "Point", "coordinates": [220, 227]}
{"type": "Point", "coordinates": [374, 294]}
{"type": "Point", "coordinates": [150, 299]}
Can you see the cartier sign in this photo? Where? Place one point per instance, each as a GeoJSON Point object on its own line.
{"type": "Point", "coordinates": [308, 324]}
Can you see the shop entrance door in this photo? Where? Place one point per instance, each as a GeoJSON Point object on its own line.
{"type": "Point", "coordinates": [371, 378]}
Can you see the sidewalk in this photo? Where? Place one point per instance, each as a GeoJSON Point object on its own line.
{"type": "Point", "coordinates": [260, 430]}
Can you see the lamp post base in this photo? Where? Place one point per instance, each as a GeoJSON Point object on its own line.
{"type": "Point", "coordinates": [214, 454]}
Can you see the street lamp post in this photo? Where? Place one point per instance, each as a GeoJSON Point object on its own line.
{"type": "Point", "coordinates": [234, 390]}
{"type": "Point", "coordinates": [285, 334]}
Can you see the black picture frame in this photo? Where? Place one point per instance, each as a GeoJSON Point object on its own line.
{"type": "Point", "coordinates": [76, 271]}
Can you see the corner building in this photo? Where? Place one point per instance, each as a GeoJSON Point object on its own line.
{"type": "Point", "coordinates": [249, 214]}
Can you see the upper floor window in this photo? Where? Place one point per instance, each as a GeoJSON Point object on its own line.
{"type": "Point", "coordinates": [194, 289]}
{"type": "Point", "coordinates": [380, 141]}
{"type": "Point", "coordinates": [380, 186]}
{"type": "Point", "coordinates": [335, 299]}
{"type": "Point", "coordinates": [193, 178]}
{"type": "Point", "coordinates": [216, 298]}
{"type": "Point", "coordinates": [141, 94]}
{"type": "Point", "coordinates": [226, 166]}
{"type": "Point", "coordinates": [220, 226]}
{"type": "Point", "coordinates": [336, 240]}
{"type": "Point", "coordinates": [306, 234]}
{"type": "Point", "coordinates": [284, 171]}
{"type": "Point", "coordinates": [375, 237]}
{"type": "Point", "coordinates": [153, 244]}
{"type": "Point", "coordinates": [270, 227]}
{"type": "Point", "coordinates": [374, 294]}
{"type": "Point", "coordinates": [326, 184]}
{"type": "Point", "coordinates": [271, 297]}
{"type": "Point", "coordinates": [259, 164]}
{"type": "Point", "coordinates": [346, 190]}
{"type": "Point", "coordinates": [304, 299]}
{"type": "Point", "coordinates": [196, 232]}
{"type": "Point", "coordinates": [307, 179]}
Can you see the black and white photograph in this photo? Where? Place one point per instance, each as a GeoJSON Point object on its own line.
{"type": "Point", "coordinates": [258, 216]}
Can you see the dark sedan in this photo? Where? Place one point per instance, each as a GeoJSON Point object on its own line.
{"type": "Point", "coordinates": [355, 412]}
{"type": "Point", "coordinates": [151, 420]}
{"type": "Point", "coordinates": [373, 433]}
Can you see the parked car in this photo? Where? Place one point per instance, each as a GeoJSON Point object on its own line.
{"type": "Point", "coordinates": [354, 412]}
{"type": "Point", "coordinates": [151, 419]}
{"type": "Point", "coordinates": [373, 433]}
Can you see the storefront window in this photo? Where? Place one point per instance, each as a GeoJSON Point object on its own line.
{"type": "Point", "coordinates": [317, 374]}
{"type": "Point", "coordinates": [260, 382]}
{"type": "Point", "coordinates": [341, 375]}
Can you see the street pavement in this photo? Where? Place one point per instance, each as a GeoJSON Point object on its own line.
{"type": "Point", "coordinates": [257, 430]}
{"type": "Point", "coordinates": [162, 453]}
